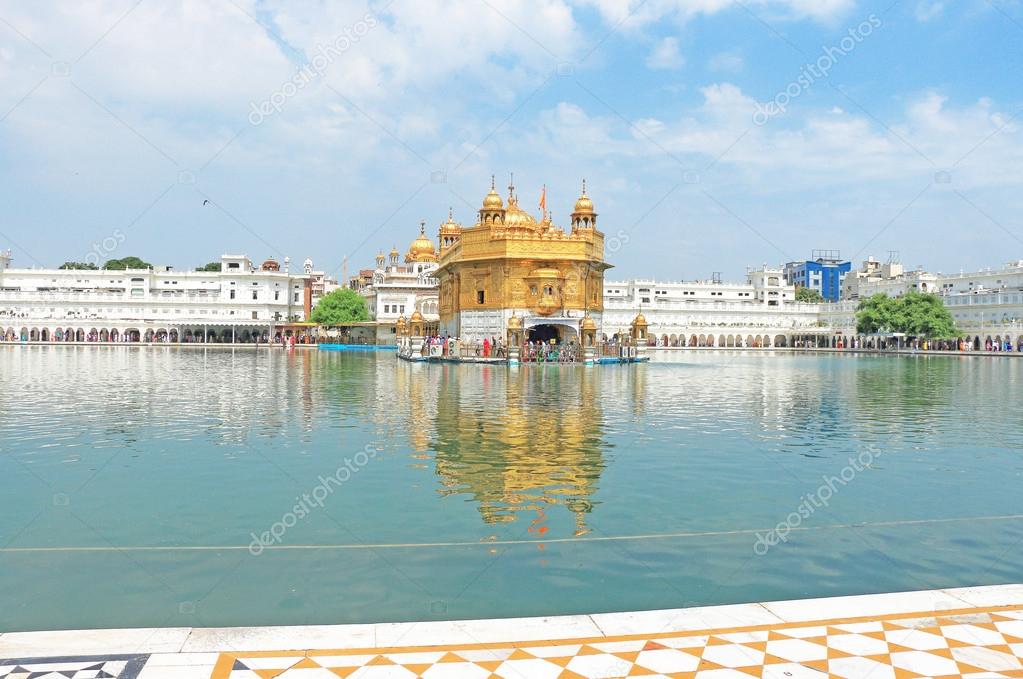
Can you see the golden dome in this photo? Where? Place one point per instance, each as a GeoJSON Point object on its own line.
{"type": "Point", "coordinates": [416, 317]}
{"type": "Point", "coordinates": [514, 323]}
{"type": "Point", "coordinates": [584, 204]}
{"type": "Point", "coordinates": [422, 249]}
{"type": "Point", "coordinates": [493, 200]}
{"type": "Point", "coordinates": [517, 218]}
{"type": "Point", "coordinates": [589, 323]}
{"type": "Point", "coordinates": [394, 251]}
{"type": "Point", "coordinates": [640, 319]}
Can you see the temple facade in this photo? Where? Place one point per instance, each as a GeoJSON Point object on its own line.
{"type": "Point", "coordinates": [511, 265]}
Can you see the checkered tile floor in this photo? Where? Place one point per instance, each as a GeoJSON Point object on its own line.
{"type": "Point", "coordinates": [71, 668]}
{"type": "Point", "coordinates": [972, 643]}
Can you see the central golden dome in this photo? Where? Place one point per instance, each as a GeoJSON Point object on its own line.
{"type": "Point", "coordinates": [517, 218]}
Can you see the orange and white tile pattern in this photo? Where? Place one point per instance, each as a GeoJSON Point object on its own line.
{"type": "Point", "coordinates": [977, 643]}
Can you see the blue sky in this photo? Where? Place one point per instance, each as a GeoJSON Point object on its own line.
{"type": "Point", "coordinates": [123, 117]}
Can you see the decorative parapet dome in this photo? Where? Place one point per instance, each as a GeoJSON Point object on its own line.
{"type": "Point", "coordinates": [493, 201]}
{"type": "Point", "coordinates": [583, 215]}
{"type": "Point", "coordinates": [514, 323]}
{"type": "Point", "coordinates": [640, 321]}
{"type": "Point", "coordinates": [416, 317]}
{"type": "Point", "coordinates": [270, 265]}
{"type": "Point", "coordinates": [589, 323]}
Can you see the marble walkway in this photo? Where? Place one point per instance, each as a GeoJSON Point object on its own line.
{"type": "Point", "coordinates": [972, 632]}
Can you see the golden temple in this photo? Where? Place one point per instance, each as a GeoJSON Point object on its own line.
{"type": "Point", "coordinates": [511, 265]}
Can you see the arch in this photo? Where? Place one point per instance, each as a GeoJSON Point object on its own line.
{"type": "Point", "coordinates": [702, 340]}
{"type": "Point", "coordinates": [767, 341]}
{"type": "Point", "coordinates": [665, 340]}
{"type": "Point", "coordinates": [730, 341]}
{"type": "Point", "coordinates": [115, 336]}
{"type": "Point", "coordinates": [160, 335]}
{"type": "Point", "coordinates": [58, 334]}
{"type": "Point", "coordinates": [693, 342]}
{"type": "Point", "coordinates": [148, 337]}
{"type": "Point", "coordinates": [33, 335]}
{"type": "Point", "coordinates": [721, 341]}
{"type": "Point", "coordinates": [104, 335]}
{"type": "Point", "coordinates": [780, 341]}
{"type": "Point", "coordinates": [173, 336]}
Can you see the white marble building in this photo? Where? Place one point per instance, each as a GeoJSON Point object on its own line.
{"type": "Point", "coordinates": [762, 311]}
{"type": "Point", "coordinates": [238, 303]}
{"type": "Point", "coordinates": [404, 289]}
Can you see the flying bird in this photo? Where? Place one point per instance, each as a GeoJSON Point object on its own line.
{"type": "Point", "coordinates": [205, 201]}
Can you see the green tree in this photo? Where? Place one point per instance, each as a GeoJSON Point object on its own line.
{"type": "Point", "coordinates": [805, 294]}
{"type": "Point", "coordinates": [212, 266]}
{"type": "Point", "coordinates": [915, 314]}
{"type": "Point", "coordinates": [78, 265]}
{"type": "Point", "coordinates": [126, 263]}
{"type": "Point", "coordinates": [339, 307]}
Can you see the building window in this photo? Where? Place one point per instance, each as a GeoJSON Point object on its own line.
{"type": "Point", "coordinates": [296, 296]}
{"type": "Point", "coordinates": [277, 295]}
{"type": "Point", "coordinates": [481, 297]}
{"type": "Point", "coordinates": [402, 309]}
{"type": "Point", "coordinates": [255, 315]}
{"type": "Point", "coordinates": [232, 294]}
{"type": "Point", "coordinates": [255, 294]}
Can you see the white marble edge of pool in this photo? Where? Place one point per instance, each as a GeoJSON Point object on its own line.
{"type": "Point", "coordinates": [196, 644]}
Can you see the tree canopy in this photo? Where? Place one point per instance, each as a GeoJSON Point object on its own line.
{"type": "Point", "coordinates": [79, 265]}
{"type": "Point", "coordinates": [915, 314]}
{"type": "Point", "coordinates": [211, 266]}
{"type": "Point", "coordinates": [339, 307]}
{"type": "Point", "coordinates": [805, 294]}
{"type": "Point", "coordinates": [126, 263]}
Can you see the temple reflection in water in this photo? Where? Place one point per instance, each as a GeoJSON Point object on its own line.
{"type": "Point", "coordinates": [517, 443]}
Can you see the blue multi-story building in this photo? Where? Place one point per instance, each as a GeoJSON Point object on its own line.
{"type": "Point", "coordinates": [824, 273]}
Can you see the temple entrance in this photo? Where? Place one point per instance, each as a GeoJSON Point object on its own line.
{"type": "Point", "coordinates": [544, 333]}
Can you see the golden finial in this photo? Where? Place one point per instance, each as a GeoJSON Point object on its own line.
{"type": "Point", "coordinates": [422, 227]}
{"type": "Point", "coordinates": [584, 187]}
{"type": "Point", "coordinates": [451, 214]}
{"type": "Point", "coordinates": [493, 183]}
{"type": "Point", "coordinates": [511, 185]}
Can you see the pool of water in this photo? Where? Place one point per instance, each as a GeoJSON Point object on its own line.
{"type": "Point", "coordinates": [164, 487]}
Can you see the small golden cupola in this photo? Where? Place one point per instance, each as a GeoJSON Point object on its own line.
{"type": "Point", "coordinates": [450, 232]}
{"type": "Point", "coordinates": [381, 259]}
{"type": "Point", "coordinates": [583, 215]}
{"type": "Point", "coordinates": [421, 249]}
{"type": "Point", "coordinates": [394, 255]}
{"type": "Point", "coordinates": [492, 211]}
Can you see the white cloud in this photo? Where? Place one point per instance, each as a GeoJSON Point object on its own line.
{"type": "Point", "coordinates": [637, 13]}
{"type": "Point", "coordinates": [726, 62]}
{"type": "Point", "coordinates": [666, 55]}
{"type": "Point", "coordinates": [927, 10]}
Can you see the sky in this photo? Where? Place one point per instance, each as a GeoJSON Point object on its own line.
{"type": "Point", "coordinates": [713, 135]}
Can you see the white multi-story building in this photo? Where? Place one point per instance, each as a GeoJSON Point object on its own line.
{"type": "Point", "coordinates": [986, 304]}
{"type": "Point", "coordinates": [320, 282]}
{"type": "Point", "coordinates": [763, 311]}
{"type": "Point", "coordinates": [240, 302]}
{"type": "Point", "coordinates": [398, 290]}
